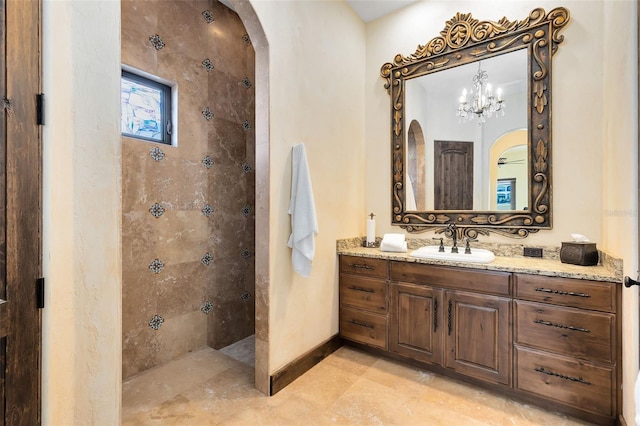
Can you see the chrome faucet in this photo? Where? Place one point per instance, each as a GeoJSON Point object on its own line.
{"type": "Point", "coordinates": [453, 229]}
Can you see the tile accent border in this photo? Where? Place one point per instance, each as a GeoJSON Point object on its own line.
{"type": "Point", "coordinates": [296, 368]}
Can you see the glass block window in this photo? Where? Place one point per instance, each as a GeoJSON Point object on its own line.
{"type": "Point", "coordinates": [145, 108]}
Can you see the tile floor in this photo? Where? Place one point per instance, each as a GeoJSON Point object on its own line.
{"type": "Point", "coordinates": [349, 387]}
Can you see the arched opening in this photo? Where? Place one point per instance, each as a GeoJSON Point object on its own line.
{"type": "Point", "coordinates": [191, 299]}
{"type": "Point", "coordinates": [508, 172]}
{"type": "Point", "coordinates": [416, 172]}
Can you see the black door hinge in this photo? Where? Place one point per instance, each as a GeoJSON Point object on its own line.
{"type": "Point", "coordinates": [40, 293]}
{"type": "Point", "coordinates": [40, 109]}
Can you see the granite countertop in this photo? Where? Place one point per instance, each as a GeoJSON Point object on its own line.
{"type": "Point", "coordinates": [609, 270]}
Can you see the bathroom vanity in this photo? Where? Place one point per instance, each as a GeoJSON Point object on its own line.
{"type": "Point", "coordinates": [550, 337]}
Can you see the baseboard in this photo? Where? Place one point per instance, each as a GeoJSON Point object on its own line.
{"type": "Point", "coordinates": [621, 420]}
{"type": "Point", "coordinates": [296, 368]}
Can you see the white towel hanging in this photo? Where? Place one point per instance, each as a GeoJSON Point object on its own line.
{"type": "Point", "coordinates": [302, 208]}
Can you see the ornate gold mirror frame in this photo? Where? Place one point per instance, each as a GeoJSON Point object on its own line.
{"type": "Point", "coordinates": [465, 40]}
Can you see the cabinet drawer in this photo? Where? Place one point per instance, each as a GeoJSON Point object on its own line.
{"type": "Point", "coordinates": [363, 327]}
{"type": "Point", "coordinates": [566, 380]}
{"type": "Point", "coordinates": [497, 283]}
{"type": "Point", "coordinates": [582, 334]}
{"type": "Point", "coordinates": [363, 292]}
{"type": "Point", "coordinates": [599, 296]}
{"type": "Point", "coordinates": [363, 266]}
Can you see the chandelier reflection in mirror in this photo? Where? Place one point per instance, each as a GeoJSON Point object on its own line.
{"type": "Point", "coordinates": [483, 103]}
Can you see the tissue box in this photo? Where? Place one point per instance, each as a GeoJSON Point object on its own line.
{"type": "Point", "coordinates": [579, 253]}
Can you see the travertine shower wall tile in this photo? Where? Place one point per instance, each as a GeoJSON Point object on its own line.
{"type": "Point", "coordinates": [188, 220]}
{"type": "Point", "coordinates": [137, 26]}
{"type": "Point", "coordinates": [182, 334]}
{"type": "Point", "coordinates": [183, 236]}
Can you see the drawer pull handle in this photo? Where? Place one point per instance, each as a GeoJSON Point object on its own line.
{"type": "Point", "coordinates": [562, 376]}
{"type": "Point", "coordinates": [366, 290]}
{"type": "Point", "coordinates": [361, 324]}
{"type": "Point", "coordinates": [449, 317]}
{"type": "Point", "coordinates": [562, 293]}
{"type": "Point", "coordinates": [362, 266]}
{"type": "Point", "coordinates": [567, 327]}
{"type": "Point", "coordinates": [435, 314]}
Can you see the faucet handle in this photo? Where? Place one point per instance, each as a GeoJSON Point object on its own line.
{"type": "Point", "coordinates": [467, 249]}
{"type": "Point", "coordinates": [441, 248]}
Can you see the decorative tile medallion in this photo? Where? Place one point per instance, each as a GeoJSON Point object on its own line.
{"type": "Point", "coordinates": [246, 125]}
{"type": "Point", "coordinates": [245, 296]}
{"type": "Point", "coordinates": [246, 168]}
{"type": "Point", "coordinates": [156, 266]}
{"type": "Point", "coordinates": [207, 210]}
{"type": "Point", "coordinates": [246, 211]}
{"type": "Point", "coordinates": [206, 259]}
{"type": "Point", "coordinates": [156, 210]}
{"type": "Point", "coordinates": [208, 16]}
{"type": "Point", "coordinates": [246, 82]}
{"type": "Point", "coordinates": [207, 114]}
{"type": "Point", "coordinates": [207, 65]}
{"type": "Point", "coordinates": [245, 253]}
{"type": "Point", "coordinates": [246, 39]}
{"type": "Point", "coordinates": [207, 162]}
{"type": "Point", "coordinates": [156, 322]}
{"type": "Point", "coordinates": [156, 153]}
{"type": "Point", "coordinates": [156, 41]}
{"type": "Point", "coordinates": [207, 307]}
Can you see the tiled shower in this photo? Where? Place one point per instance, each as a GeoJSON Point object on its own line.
{"type": "Point", "coordinates": [188, 240]}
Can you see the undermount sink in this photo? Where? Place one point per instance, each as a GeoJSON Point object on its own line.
{"type": "Point", "coordinates": [476, 256]}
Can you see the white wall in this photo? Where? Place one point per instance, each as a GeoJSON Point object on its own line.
{"type": "Point", "coordinates": [620, 170]}
{"type": "Point", "coordinates": [81, 378]}
{"type": "Point", "coordinates": [316, 56]}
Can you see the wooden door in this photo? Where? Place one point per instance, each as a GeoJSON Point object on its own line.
{"type": "Point", "coordinates": [20, 213]}
{"type": "Point", "coordinates": [416, 322]}
{"type": "Point", "coordinates": [453, 175]}
{"type": "Point", "coordinates": [478, 341]}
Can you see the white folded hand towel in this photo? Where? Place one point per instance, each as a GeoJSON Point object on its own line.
{"type": "Point", "coordinates": [394, 243]}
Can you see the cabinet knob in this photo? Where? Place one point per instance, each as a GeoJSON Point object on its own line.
{"type": "Point", "coordinates": [629, 282]}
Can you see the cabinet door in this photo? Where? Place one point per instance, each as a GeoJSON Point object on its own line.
{"type": "Point", "coordinates": [478, 340]}
{"type": "Point", "coordinates": [416, 322]}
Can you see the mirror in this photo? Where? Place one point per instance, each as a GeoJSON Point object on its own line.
{"type": "Point", "coordinates": [471, 128]}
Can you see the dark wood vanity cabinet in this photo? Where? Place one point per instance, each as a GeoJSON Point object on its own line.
{"type": "Point", "coordinates": [417, 322]}
{"type": "Point", "coordinates": [478, 336]}
{"type": "Point", "coordinates": [552, 341]}
{"type": "Point", "coordinates": [566, 341]}
{"type": "Point", "coordinates": [454, 318]}
{"type": "Point", "coordinates": [364, 300]}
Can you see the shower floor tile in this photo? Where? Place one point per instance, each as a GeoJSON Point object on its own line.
{"type": "Point", "coordinates": [243, 350]}
{"type": "Point", "coordinates": [349, 387]}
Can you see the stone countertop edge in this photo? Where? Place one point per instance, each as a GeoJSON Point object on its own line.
{"type": "Point", "coordinates": [609, 269]}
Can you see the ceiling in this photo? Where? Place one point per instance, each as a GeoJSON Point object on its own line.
{"type": "Point", "coordinates": [368, 10]}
